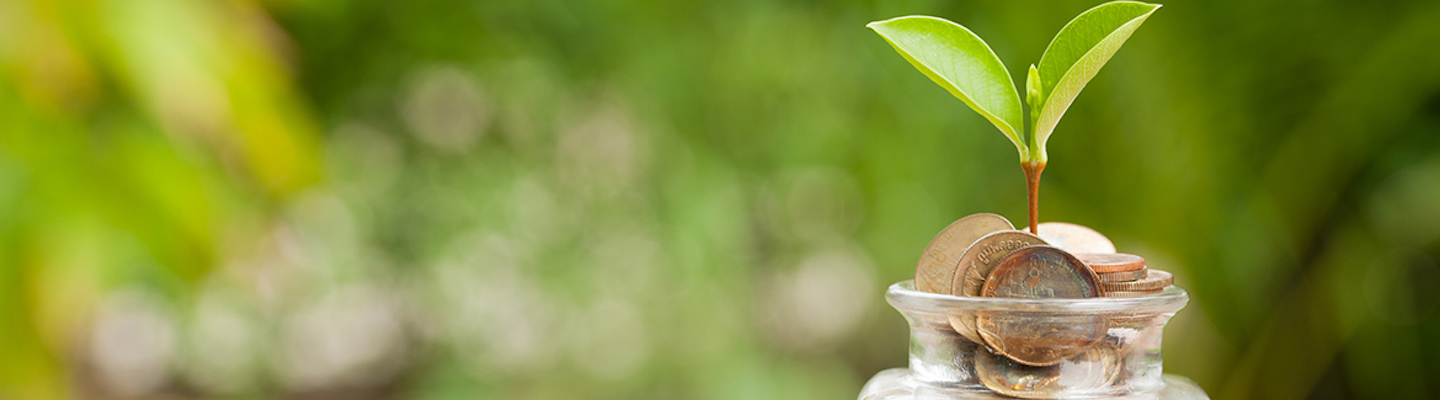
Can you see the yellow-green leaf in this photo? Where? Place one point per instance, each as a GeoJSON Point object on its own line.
{"type": "Point", "coordinates": [1076, 54]}
{"type": "Point", "coordinates": [963, 64]}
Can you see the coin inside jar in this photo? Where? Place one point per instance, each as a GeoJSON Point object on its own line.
{"type": "Point", "coordinates": [1085, 374]}
{"type": "Point", "coordinates": [936, 269]}
{"type": "Point", "coordinates": [1123, 293]}
{"type": "Point", "coordinates": [1074, 238]}
{"type": "Point", "coordinates": [1111, 262]}
{"type": "Point", "coordinates": [1122, 276]}
{"type": "Point", "coordinates": [1154, 280]}
{"type": "Point", "coordinates": [974, 267]}
{"type": "Point", "coordinates": [1040, 339]}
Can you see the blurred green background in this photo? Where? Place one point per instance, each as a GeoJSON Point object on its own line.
{"type": "Point", "coordinates": [548, 199]}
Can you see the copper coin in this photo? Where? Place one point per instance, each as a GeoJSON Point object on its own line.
{"type": "Point", "coordinates": [982, 257]}
{"type": "Point", "coordinates": [1122, 276]}
{"type": "Point", "coordinates": [1154, 280]}
{"type": "Point", "coordinates": [1040, 339]}
{"type": "Point", "coordinates": [975, 265]}
{"type": "Point", "coordinates": [936, 269]}
{"type": "Point", "coordinates": [1128, 293]}
{"type": "Point", "coordinates": [1088, 373]}
{"type": "Point", "coordinates": [1112, 262]}
{"type": "Point", "coordinates": [1133, 321]}
{"type": "Point", "coordinates": [1074, 238]}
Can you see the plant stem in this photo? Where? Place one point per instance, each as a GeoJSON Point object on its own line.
{"type": "Point", "coordinates": [1032, 188]}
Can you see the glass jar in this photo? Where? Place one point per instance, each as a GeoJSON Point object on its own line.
{"type": "Point", "coordinates": [1066, 348]}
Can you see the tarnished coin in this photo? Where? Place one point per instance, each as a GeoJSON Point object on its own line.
{"type": "Point", "coordinates": [1122, 276]}
{"type": "Point", "coordinates": [1040, 339]}
{"type": "Point", "coordinates": [1112, 262]}
{"type": "Point", "coordinates": [1120, 339]}
{"type": "Point", "coordinates": [1132, 322]}
{"type": "Point", "coordinates": [1125, 293]}
{"type": "Point", "coordinates": [1154, 280]}
{"type": "Point", "coordinates": [1041, 272]}
{"type": "Point", "coordinates": [1087, 374]}
{"type": "Point", "coordinates": [936, 269]}
{"type": "Point", "coordinates": [1074, 238]}
{"type": "Point", "coordinates": [975, 265]}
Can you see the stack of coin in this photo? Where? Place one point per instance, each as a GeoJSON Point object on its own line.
{"type": "Point", "coordinates": [984, 255]}
{"type": "Point", "coordinates": [960, 259]}
{"type": "Point", "coordinates": [1125, 275]}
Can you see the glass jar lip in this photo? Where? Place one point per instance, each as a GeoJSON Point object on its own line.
{"type": "Point", "coordinates": [903, 296]}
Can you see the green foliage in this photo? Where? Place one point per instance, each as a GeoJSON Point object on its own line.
{"type": "Point", "coordinates": [962, 63]}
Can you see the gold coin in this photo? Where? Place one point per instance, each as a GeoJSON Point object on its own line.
{"type": "Point", "coordinates": [1074, 238]}
{"type": "Point", "coordinates": [936, 268]}
{"type": "Point", "coordinates": [1154, 280]}
{"type": "Point", "coordinates": [1112, 262]}
{"type": "Point", "coordinates": [1040, 272]}
{"type": "Point", "coordinates": [1122, 276]}
{"type": "Point", "coordinates": [1086, 373]}
{"type": "Point", "coordinates": [975, 265]}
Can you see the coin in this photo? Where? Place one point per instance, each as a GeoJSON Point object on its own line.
{"type": "Point", "coordinates": [1128, 293]}
{"type": "Point", "coordinates": [1121, 339]}
{"type": "Point", "coordinates": [1154, 280]}
{"type": "Point", "coordinates": [975, 265]}
{"type": "Point", "coordinates": [1131, 322]}
{"type": "Point", "coordinates": [1112, 262]}
{"type": "Point", "coordinates": [1074, 238]}
{"type": "Point", "coordinates": [1040, 272]}
{"type": "Point", "coordinates": [1085, 374]}
{"type": "Point", "coordinates": [1122, 276]}
{"type": "Point", "coordinates": [936, 268]}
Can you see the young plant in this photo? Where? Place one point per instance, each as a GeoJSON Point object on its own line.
{"type": "Point", "coordinates": [963, 64]}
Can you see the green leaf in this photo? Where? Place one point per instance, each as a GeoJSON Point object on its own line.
{"type": "Point", "coordinates": [1076, 55]}
{"type": "Point", "coordinates": [1033, 95]}
{"type": "Point", "coordinates": [963, 64]}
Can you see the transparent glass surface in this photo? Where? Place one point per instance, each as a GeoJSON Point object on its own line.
{"type": "Point", "coordinates": [986, 347]}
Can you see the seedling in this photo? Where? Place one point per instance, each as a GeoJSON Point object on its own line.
{"type": "Point", "coordinates": [964, 65]}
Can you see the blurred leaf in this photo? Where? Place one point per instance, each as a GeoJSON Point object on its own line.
{"type": "Point", "coordinates": [962, 63]}
{"type": "Point", "coordinates": [1075, 55]}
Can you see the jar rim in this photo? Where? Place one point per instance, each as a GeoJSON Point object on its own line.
{"type": "Point", "coordinates": [903, 296]}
